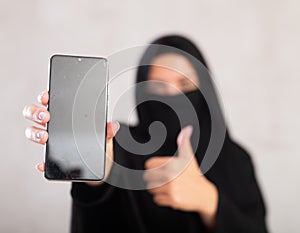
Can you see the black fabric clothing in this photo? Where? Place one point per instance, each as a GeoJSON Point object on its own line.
{"type": "Point", "coordinates": [108, 208]}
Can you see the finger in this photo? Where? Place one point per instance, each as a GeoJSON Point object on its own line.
{"type": "Point", "coordinates": [157, 162]}
{"type": "Point", "coordinates": [184, 143]}
{"type": "Point", "coordinates": [43, 98]}
{"type": "Point", "coordinates": [155, 175]}
{"type": "Point", "coordinates": [36, 114]}
{"type": "Point", "coordinates": [112, 129]}
{"type": "Point", "coordinates": [36, 134]}
{"type": "Point", "coordinates": [40, 167]}
{"type": "Point", "coordinates": [159, 189]}
{"type": "Point", "coordinates": [162, 200]}
{"type": "Point", "coordinates": [157, 183]}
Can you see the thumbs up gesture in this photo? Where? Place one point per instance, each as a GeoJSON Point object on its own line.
{"type": "Point", "coordinates": [177, 182]}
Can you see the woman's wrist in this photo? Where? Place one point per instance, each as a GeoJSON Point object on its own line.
{"type": "Point", "coordinates": [96, 183]}
{"type": "Point", "coordinates": [208, 211]}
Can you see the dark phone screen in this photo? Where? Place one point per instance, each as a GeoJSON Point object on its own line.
{"type": "Point", "coordinates": [78, 99]}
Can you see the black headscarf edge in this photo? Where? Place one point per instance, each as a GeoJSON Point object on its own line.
{"type": "Point", "coordinates": [180, 43]}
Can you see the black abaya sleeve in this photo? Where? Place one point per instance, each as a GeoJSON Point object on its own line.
{"type": "Point", "coordinates": [241, 207]}
{"type": "Point", "coordinates": [96, 208]}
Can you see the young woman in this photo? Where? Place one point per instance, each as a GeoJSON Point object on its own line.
{"type": "Point", "coordinates": [227, 198]}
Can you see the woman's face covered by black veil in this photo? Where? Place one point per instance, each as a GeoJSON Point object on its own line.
{"type": "Point", "coordinates": [172, 93]}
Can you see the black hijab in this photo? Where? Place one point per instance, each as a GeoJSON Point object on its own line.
{"type": "Point", "coordinates": [151, 111]}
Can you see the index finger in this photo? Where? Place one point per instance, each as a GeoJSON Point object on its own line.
{"type": "Point", "coordinates": [157, 161]}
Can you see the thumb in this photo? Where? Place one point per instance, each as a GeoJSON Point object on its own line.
{"type": "Point", "coordinates": [184, 143]}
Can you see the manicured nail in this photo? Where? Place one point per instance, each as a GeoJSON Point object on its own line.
{"type": "Point", "coordinates": [41, 116]}
{"type": "Point", "coordinates": [179, 138]}
{"type": "Point", "coordinates": [188, 131]}
{"type": "Point", "coordinates": [28, 133]}
{"type": "Point", "coordinates": [27, 111]}
{"type": "Point", "coordinates": [40, 96]}
{"type": "Point", "coordinates": [38, 166]}
{"type": "Point", "coordinates": [39, 135]}
{"type": "Point", "coordinates": [116, 126]}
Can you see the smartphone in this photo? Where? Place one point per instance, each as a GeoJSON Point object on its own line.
{"type": "Point", "coordinates": [78, 102]}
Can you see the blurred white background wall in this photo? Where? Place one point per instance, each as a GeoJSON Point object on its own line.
{"type": "Point", "coordinates": [252, 48]}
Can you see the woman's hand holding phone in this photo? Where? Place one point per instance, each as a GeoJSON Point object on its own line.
{"type": "Point", "coordinates": [41, 116]}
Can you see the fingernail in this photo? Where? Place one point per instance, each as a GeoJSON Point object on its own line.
{"type": "Point", "coordinates": [41, 116]}
{"type": "Point", "coordinates": [179, 138]}
{"type": "Point", "coordinates": [38, 166]}
{"type": "Point", "coordinates": [40, 96]}
{"type": "Point", "coordinates": [27, 111]}
{"type": "Point", "coordinates": [28, 133]}
{"type": "Point", "coordinates": [116, 126]}
{"type": "Point", "coordinates": [188, 131]}
{"type": "Point", "coordinates": [39, 135]}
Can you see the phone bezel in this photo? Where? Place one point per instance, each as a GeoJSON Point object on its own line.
{"type": "Point", "coordinates": [106, 114]}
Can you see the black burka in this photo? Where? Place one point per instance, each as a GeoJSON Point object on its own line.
{"type": "Point", "coordinates": [107, 208]}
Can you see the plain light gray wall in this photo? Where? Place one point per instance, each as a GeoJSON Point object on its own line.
{"type": "Point", "coordinates": [251, 47]}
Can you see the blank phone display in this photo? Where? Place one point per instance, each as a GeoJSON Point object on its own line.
{"type": "Point", "coordinates": [78, 99]}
